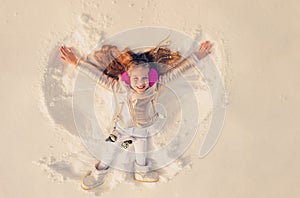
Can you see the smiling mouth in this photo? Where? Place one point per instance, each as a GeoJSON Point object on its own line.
{"type": "Point", "coordinates": [141, 87]}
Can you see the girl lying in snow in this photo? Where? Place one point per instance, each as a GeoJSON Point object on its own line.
{"type": "Point", "coordinates": [136, 79]}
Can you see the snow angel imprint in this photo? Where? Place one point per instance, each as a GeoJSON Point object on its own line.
{"type": "Point", "coordinates": [135, 78]}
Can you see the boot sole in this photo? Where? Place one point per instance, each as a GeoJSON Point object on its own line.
{"type": "Point", "coordinates": [144, 181]}
{"type": "Point", "coordinates": [90, 188]}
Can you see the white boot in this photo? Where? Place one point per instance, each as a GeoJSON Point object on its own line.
{"type": "Point", "coordinates": [93, 178]}
{"type": "Point", "coordinates": [142, 173]}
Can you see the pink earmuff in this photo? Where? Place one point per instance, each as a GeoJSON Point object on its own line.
{"type": "Point", "coordinates": [125, 77]}
{"type": "Point", "coordinates": [153, 77]}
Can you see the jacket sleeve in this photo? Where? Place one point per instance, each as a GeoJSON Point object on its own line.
{"type": "Point", "coordinates": [182, 67]}
{"type": "Point", "coordinates": [88, 66]}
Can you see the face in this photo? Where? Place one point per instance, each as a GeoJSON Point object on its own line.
{"type": "Point", "coordinates": [139, 80]}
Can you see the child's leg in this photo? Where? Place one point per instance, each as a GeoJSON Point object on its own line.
{"type": "Point", "coordinates": [95, 177]}
{"type": "Point", "coordinates": [108, 154]}
{"type": "Point", "coordinates": [140, 147]}
{"type": "Point", "coordinates": [102, 166]}
{"type": "Point", "coordinates": [142, 167]}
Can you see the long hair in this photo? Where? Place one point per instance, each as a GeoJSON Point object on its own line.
{"type": "Point", "coordinates": [114, 62]}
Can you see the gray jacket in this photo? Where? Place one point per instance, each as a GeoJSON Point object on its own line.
{"type": "Point", "coordinates": [133, 109]}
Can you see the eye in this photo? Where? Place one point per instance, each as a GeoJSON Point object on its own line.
{"type": "Point", "coordinates": [145, 78]}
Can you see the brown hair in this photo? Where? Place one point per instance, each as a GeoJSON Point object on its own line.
{"type": "Point", "coordinates": [113, 62]}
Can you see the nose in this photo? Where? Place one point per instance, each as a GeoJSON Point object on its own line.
{"type": "Point", "coordinates": [140, 82]}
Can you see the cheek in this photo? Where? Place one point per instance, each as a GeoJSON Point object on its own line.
{"type": "Point", "coordinates": [132, 83]}
{"type": "Point", "coordinates": [147, 83]}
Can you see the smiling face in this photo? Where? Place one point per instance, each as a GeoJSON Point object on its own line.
{"type": "Point", "coordinates": [139, 78]}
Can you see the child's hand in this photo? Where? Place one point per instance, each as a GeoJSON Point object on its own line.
{"type": "Point", "coordinates": [68, 55]}
{"type": "Point", "coordinates": [203, 50]}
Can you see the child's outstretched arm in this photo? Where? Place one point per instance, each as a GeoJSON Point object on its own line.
{"type": "Point", "coordinates": [187, 63]}
{"type": "Point", "coordinates": [89, 67]}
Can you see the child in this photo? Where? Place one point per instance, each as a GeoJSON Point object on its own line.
{"type": "Point", "coordinates": [135, 79]}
